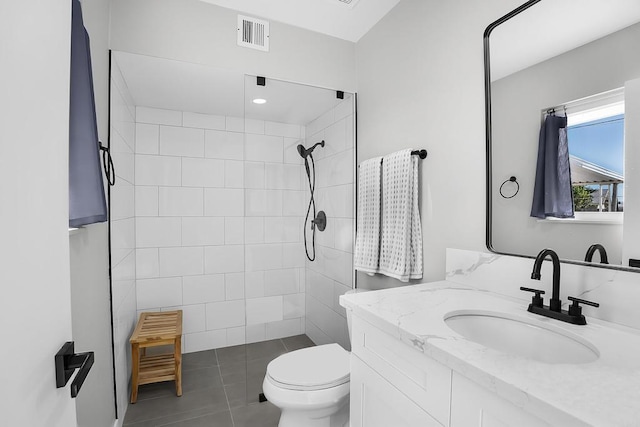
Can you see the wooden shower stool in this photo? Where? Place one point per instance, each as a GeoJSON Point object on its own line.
{"type": "Point", "coordinates": [156, 329]}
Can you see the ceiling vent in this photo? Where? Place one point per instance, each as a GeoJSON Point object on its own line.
{"type": "Point", "coordinates": [253, 33]}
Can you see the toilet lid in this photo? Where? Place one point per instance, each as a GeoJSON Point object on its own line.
{"type": "Point", "coordinates": [312, 368]}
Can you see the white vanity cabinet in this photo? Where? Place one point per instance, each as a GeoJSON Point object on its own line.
{"type": "Point", "coordinates": [375, 402]}
{"type": "Point", "coordinates": [474, 406]}
{"type": "Point", "coordinates": [395, 385]}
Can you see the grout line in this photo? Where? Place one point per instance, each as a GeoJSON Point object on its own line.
{"type": "Point", "coordinates": [284, 345]}
{"type": "Point", "coordinates": [180, 421]}
{"type": "Point", "coordinates": [145, 421]}
{"type": "Point", "coordinates": [224, 387]}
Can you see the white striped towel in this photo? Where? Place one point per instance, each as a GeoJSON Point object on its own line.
{"type": "Point", "coordinates": [367, 251]}
{"type": "Point", "coordinates": [401, 241]}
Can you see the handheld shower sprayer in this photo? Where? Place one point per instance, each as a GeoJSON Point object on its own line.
{"type": "Point", "coordinates": [304, 152]}
{"type": "Point", "coordinates": [319, 220]}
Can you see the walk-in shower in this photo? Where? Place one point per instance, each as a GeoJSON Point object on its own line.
{"type": "Point", "coordinates": [318, 220]}
{"type": "Point", "coordinates": [230, 204]}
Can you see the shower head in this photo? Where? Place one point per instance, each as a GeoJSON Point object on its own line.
{"type": "Point", "coordinates": [304, 152]}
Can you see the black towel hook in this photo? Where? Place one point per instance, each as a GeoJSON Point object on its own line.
{"type": "Point", "coordinates": [511, 179]}
{"type": "Point", "coordinates": [107, 164]}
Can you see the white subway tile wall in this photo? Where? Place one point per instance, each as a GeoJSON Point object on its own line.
{"type": "Point", "coordinates": [225, 314]}
{"type": "Point", "coordinates": [264, 310]}
{"type": "Point", "coordinates": [224, 201]}
{"type": "Point", "coordinates": [253, 230]}
{"type": "Point", "coordinates": [157, 170]}
{"type": "Point", "coordinates": [146, 138]}
{"type": "Point", "coordinates": [207, 217]}
{"type": "Point", "coordinates": [158, 116]}
{"type": "Point", "coordinates": [203, 289]}
{"type": "Point", "coordinates": [123, 238]}
{"type": "Point", "coordinates": [331, 274]}
{"type": "Point", "coordinates": [147, 263]}
{"type": "Point", "coordinates": [236, 336]}
{"type": "Point", "coordinates": [123, 159]}
{"type": "Point", "coordinates": [161, 292]}
{"type": "Point", "coordinates": [264, 148]}
{"type": "Point", "coordinates": [203, 121]}
{"type": "Point", "coordinates": [224, 259]}
{"type": "Point", "coordinates": [224, 144]}
{"type": "Point", "coordinates": [203, 231]}
{"type": "Point", "coordinates": [234, 230]}
{"type": "Point", "coordinates": [233, 174]}
{"type": "Point", "coordinates": [254, 284]}
{"type": "Point", "coordinates": [146, 201]}
{"type": "Point", "coordinates": [218, 225]}
{"type": "Point", "coordinates": [194, 319]}
{"type": "Point", "coordinates": [181, 141]}
{"type": "Point", "coordinates": [180, 201]}
{"type": "Point", "coordinates": [202, 172]}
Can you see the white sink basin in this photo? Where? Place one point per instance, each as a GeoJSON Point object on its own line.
{"type": "Point", "coordinates": [518, 336]}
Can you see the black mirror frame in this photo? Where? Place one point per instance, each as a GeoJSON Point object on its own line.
{"type": "Point", "coordinates": [487, 116]}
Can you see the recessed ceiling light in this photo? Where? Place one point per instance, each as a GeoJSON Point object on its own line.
{"type": "Point", "coordinates": [259, 101]}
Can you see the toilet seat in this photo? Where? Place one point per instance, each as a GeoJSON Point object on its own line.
{"type": "Point", "coordinates": [313, 368]}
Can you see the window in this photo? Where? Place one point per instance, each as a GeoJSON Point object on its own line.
{"type": "Point", "coordinates": [595, 131]}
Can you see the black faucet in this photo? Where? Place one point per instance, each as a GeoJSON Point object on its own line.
{"type": "Point", "coordinates": [555, 304]}
{"type": "Point", "coordinates": [592, 250]}
{"type": "Point", "coordinates": [554, 309]}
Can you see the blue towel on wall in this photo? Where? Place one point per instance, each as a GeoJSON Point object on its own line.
{"type": "Point", "coordinates": [553, 194]}
{"type": "Point", "coordinates": [87, 203]}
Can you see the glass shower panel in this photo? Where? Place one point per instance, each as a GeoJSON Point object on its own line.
{"type": "Point", "coordinates": [298, 140]}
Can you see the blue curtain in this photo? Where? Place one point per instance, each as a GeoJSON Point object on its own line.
{"type": "Point", "coordinates": [87, 203]}
{"type": "Point", "coordinates": [552, 194]}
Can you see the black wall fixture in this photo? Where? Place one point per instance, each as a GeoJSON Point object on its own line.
{"type": "Point", "coordinates": [339, 94]}
{"type": "Point", "coordinates": [67, 361]}
{"type": "Point", "coordinates": [261, 81]}
{"type": "Point", "coordinates": [506, 181]}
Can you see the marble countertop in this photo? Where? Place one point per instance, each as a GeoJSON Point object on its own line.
{"type": "Point", "coordinates": [605, 392]}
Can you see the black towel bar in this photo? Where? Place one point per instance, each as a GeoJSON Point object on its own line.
{"type": "Point", "coordinates": [422, 153]}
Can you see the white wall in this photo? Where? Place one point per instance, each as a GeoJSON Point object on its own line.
{"type": "Point", "coordinates": [517, 103]}
{"type": "Point", "coordinates": [331, 274]}
{"type": "Point", "coordinates": [198, 32]}
{"type": "Point", "coordinates": [89, 254]}
{"type": "Point", "coordinates": [218, 225]}
{"type": "Point", "coordinates": [420, 85]}
{"type": "Point", "coordinates": [34, 248]}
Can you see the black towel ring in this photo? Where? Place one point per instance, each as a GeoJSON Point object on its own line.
{"type": "Point", "coordinates": [512, 179]}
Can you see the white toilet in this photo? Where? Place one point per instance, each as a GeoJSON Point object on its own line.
{"type": "Point", "coordinates": [311, 385]}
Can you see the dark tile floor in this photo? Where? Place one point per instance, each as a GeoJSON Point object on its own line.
{"type": "Point", "coordinates": [220, 388]}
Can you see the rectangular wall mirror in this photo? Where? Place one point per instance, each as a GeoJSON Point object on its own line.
{"type": "Point", "coordinates": [573, 58]}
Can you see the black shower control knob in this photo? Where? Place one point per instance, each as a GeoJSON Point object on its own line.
{"type": "Point", "coordinates": [320, 221]}
{"type": "Point", "coordinates": [575, 309]}
{"type": "Point", "coordinates": [536, 291]}
{"type": "Point", "coordinates": [577, 301]}
{"type": "Point", "coordinates": [536, 300]}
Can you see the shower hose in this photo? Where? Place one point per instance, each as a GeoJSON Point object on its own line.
{"type": "Point", "coordinates": [312, 206]}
